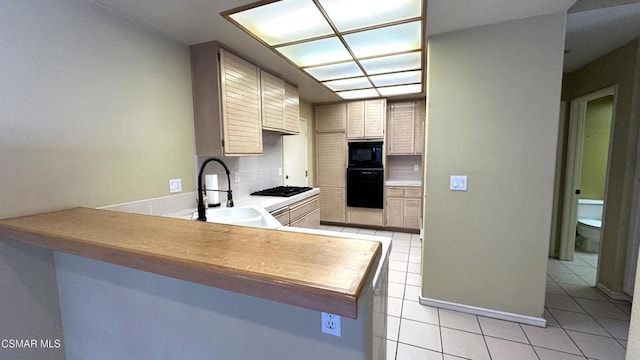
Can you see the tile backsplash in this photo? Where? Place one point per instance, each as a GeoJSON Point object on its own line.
{"type": "Point", "coordinates": [402, 167]}
{"type": "Point", "coordinates": [255, 172]}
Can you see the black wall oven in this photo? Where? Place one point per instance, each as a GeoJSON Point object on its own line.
{"type": "Point", "coordinates": [365, 188]}
{"type": "Point", "coordinates": [365, 175]}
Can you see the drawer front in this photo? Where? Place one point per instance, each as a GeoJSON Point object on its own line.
{"type": "Point", "coordinates": [310, 221]}
{"type": "Point", "coordinates": [304, 207]}
{"type": "Point", "coordinates": [365, 217]}
{"type": "Point", "coordinates": [395, 192]}
{"type": "Point", "coordinates": [412, 193]}
{"type": "Point", "coordinates": [282, 215]}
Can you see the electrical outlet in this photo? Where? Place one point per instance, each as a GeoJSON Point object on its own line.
{"type": "Point", "coordinates": [331, 324]}
{"type": "Point", "coordinates": [237, 175]}
{"type": "Point", "coordinates": [416, 167]}
{"type": "Point", "coordinates": [175, 185]}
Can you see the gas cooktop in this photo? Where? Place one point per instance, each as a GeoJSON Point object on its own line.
{"type": "Point", "coordinates": [283, 191]}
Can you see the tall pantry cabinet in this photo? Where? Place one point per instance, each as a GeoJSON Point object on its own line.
{"type": "Point", "coordinates": [330, 124]}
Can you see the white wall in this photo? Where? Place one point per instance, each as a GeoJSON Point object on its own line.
{"type": "Point", "coordinates": [494, 95]}
{"type": "Point", "coordinates": [95, 110]}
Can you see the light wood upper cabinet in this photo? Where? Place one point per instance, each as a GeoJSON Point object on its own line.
{"type": "Point", "coordinates": [291, 109]}
{"type": "Point", "coordinates": [280, 104]}
{"type": "Point", "coordinates": [226, 102]}
{"type": "Point", "coordinates": [330, 118]}
{"type": "Point", "coordinates": [366, 119]}
{"type": "Point", "coordinates": [406, 128]}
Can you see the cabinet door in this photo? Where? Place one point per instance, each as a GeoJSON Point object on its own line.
{"type": "Point", "coordinates": [332, 204]}
{"type": "Point", "coordinates": [309, 221]}
{"type": "Point", "coordinates": [331, 117]}
{"type": "Point", "coordinates": [401, 128]}
{"type": "Point", "coordinates": [330, 160]}
{"type": "Point", "coordinates": [240, 87]}
{"type": "Point", "coordinates": [272, 93]}
{"type": "Point", "coordinates": [355, 120]}
{"type": "Point", "coordinates": [420, 126]}
{"type": "Point", "coordinates": [291, 109]}
{"type": "Point", "coordinates": [412, 211]}
{"type": "Point", "coordinates": [375, 111]}
{"type": "Point", "coordinates": [394, 212]}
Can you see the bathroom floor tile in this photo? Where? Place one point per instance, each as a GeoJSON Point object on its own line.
{"type": "Point", "coordinates": [502, 329]}
{"type": "Point", "coordinates": [590, 280]}
{"type": "Point", "coordinates": [550, 338]}
{"type": "Point", "coordinates": [619, 329]}
{"type": "Point", "coordinates": [413, 310]}
{"type": "Point", "coordinates": [582, 270]}
{"type": "Point", "coordinates": [464, 344]}
{"type": "Point", "coordinates": [583, 291]}
{"type": "Point", "coordinates": [420, 334]}
{"type": "Point", "coordinates": [558, 267]}
{"type": "Point", "coordinates": [562, 302]}
{"type": "Point", "coordinates": [566, 278]}
{"type": "Point", "coordinates": [409, 352]}
{"type": "Point", "coordinates": [598, 347]}
{"type": "Point", "coordinates": [546, 354]}
{"type": "Point", "coordinates": [554, 288]}
{"type": "Point", "coordinates": [603, 309]}
{"type": "Point", "coordinates": [579, 322]}
{"type": "Point", "coordinates": [508, 350]}
{"type": "Point", "coordinates": [551, 321]}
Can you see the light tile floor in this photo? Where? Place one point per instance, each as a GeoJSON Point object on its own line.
{"type": "Point", "coordinates": [582, 323]}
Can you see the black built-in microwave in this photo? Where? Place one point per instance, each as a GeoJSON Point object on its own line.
{"type": "Point", "coordinates": [365, 154]}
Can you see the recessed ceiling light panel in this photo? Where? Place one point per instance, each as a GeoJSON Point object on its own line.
{"type": "Point", "coordinates": [401, 78]}
{"type": "Point", "coordinates": [348, 84]}
{"type": "Point", "coordinates": [387, 64]}
{"type": "Point", "coordinates": [386, 40]}
{"type": "Point", "coordinates": [400, 90]}
{"type": "Point", "coordinates": [284, 21]}
{"type": "Point", "coordinates": [318, 52]}
{"type": "Point", "coordinates": [356, 14]}
{"type": "Point", "coordinates": [358, 94]}
{"type": "Point", "coordinates": [335, 71]}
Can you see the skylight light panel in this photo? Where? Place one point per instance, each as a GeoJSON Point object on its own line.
{"type": "Point", "coordinates": [335, 71]}
{"type": "Point", "coordinates": [400, 90]}
{"type": "Point", "coordinates": [356, 14]}
{"type": "Point", "coordinates": [284, 21]}
{"type": "Point", "coordinates": [358, 94]}
{"type": "Point", "coordinates": [348, 84]}
{"type": "Point", "coordinates": [387, 64]}
{"type": "Point", "coordinates": [401, 78]}
{"type": "Point", "coordinates": [316, 52]}
{"type": "Point", "coordinates": [386, 40]}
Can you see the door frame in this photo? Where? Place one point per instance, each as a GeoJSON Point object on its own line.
{"type": "Point", "coordinates": [302, 123]}
{"type": "Point", "coordinates": [573, 167]}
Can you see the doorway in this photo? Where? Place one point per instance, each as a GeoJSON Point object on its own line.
{"type": "Point", "coordinates": [294, 157]}
{"type": "Point", "coordinates": [591, 120]}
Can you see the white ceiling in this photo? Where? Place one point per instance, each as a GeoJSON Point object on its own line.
{"type": "Point", "coordinates": [195, 21]}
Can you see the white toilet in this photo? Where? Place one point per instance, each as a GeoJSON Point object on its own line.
{"type": "Point", "coordinates": [589, 224]}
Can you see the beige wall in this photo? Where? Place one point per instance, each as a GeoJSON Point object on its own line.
{"type": "Point", "coordinates": [620, 67]}
{"type": "Point", "coordinates": [96, 110]}
{"type": "Point", "coordinates": [595, 148]}
{"type": "Point", "coordinates": [494, 96]}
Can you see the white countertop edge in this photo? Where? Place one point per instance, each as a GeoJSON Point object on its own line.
{"type": "Point", "coordinates": [412, 183]}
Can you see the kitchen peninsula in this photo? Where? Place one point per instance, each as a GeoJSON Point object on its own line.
{"type": "Point", "coordinates": [137, 286]}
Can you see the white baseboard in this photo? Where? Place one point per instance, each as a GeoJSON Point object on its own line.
{"type": "Point", "coordinates": [615, 295]}
{"type": "Point", "coordinates": [523, 319]}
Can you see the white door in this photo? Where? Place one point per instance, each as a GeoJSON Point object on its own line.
{"type": "Point", "coordinates": [294, 157]}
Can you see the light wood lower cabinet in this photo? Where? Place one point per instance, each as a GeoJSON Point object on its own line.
{"type": "Point", "coordinates": [332, 204]}
{"type": "Point", "coordinates": [403, 207]}
{"type": "Point", "coordinates": [359, 216]}
{"type": "Point", "coordinates": [304, 213]}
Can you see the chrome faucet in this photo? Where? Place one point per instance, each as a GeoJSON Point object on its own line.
{"type": "Point", "coordinates": [202, 211]}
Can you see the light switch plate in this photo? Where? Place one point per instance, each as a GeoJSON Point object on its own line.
{"type": "Point", "coordinates": [175, 185]}
{"type": "Point", "coordinates": [458, 183]}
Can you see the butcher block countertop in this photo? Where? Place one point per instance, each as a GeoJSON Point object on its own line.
{"type": "Point", "coordinates": [312, 271]}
